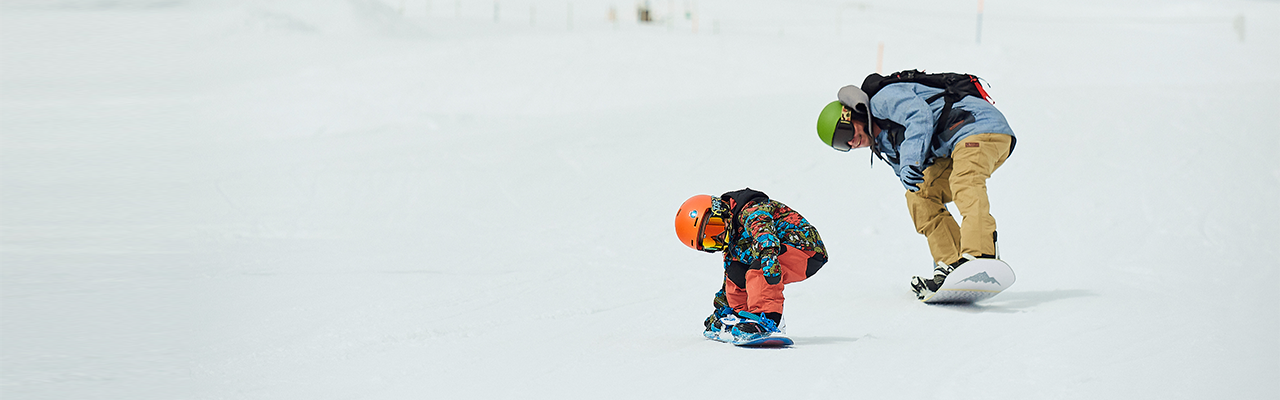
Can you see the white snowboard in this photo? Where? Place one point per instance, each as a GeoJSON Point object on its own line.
{"type": "Point", "coordinates": [974, 281]}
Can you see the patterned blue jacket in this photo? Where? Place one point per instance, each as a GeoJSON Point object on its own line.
{"type": "Point", "coordinates": [765, 226]}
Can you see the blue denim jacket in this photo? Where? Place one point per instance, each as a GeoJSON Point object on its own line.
{"type": "Point", "coordinates": [907, 124]}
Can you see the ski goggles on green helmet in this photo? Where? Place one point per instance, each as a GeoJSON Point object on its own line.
{"type": "Point", "coordinates": [845, 129]}
{"type": "Point", "coordinates": [843, 134]}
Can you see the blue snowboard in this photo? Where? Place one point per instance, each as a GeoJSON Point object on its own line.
{"type": "Point", "coordinates": [775, 340]}
{"type": "Point", "coordinates": [767, 341]}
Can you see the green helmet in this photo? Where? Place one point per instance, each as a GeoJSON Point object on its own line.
{"type": "Point", "coordinates": [827, 121]}
{"type": "Point", "coordinates": [835, 123]}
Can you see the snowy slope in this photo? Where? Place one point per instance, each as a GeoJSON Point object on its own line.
{"type": "Point", "coordinates": [395, 199]}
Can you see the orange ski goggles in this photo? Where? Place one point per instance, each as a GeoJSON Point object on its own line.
{"type": "Point", "coordinates": [712, 232]}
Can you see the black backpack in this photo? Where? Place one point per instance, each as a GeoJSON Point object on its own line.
{"type": "Point", "coordinates": [954, 87]}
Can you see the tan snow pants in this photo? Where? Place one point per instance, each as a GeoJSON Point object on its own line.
{"type": "Point", "coordinates": [961, 178]}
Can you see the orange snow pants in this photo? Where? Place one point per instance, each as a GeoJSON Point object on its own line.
{"type": "Point", "coordinates": [757, 296]}
{"type": "Point", "coordinates": [961, 178]}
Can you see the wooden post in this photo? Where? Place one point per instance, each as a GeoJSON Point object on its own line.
{"type": "Point", "coordinates": [693, 16]}
{"type": "Point", "coordinates": [880, 58]}
{"type": "Point", "coordinates": [978, 37]}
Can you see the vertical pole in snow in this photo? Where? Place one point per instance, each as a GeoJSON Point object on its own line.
{"type": "Point", "coordinates": [671, 15]}
{"type": "Point", "coordinates": [1239, 25]}
{"type": "Point", "coordinates": [880, 58]}
{"type": "Point", "coordinates": [978, 37]}
{"type": "Point", "coordinates": [693, 16]}
{"type": "Point", "coordinates": [495, 11]}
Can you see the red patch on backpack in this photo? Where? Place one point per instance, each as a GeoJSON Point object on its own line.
{"type": "Point", "coordinates": [971, 144]}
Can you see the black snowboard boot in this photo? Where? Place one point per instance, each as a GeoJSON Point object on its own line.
{"type": "Point", "coordinates": [923, 287]}
{"type": "Point", "coordinates": [941, 271]}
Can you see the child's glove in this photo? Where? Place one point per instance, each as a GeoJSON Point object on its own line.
{"type": "Point", "coordinates": [772, 274]}
{"type": "Point", "coordinates": [912, 177]}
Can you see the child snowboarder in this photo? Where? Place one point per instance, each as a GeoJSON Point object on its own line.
{"type": "Point", "coordinates": [766, 245]}
{"type": "Point", "coordinates": [944, 139]}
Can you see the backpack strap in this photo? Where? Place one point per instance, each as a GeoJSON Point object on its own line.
{"type": "Point", "coordinates": [949, 97]}
{"type": "Point", "coordinates": [954, 87]}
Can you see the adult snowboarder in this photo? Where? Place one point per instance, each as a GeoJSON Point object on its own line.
{"type": "Point", "coordinates": [944, 139]}
{"type": "Point", "coordinates": [766, 245]}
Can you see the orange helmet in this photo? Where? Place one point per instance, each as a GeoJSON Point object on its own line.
{"type": "Point", "coordinates": [701, 223]}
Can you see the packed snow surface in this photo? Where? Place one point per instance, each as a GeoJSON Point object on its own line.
{"type": "Point", "coordinates": [451, 199]}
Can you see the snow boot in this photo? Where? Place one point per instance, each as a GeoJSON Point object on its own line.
{"type": "Point", "coordinates": [923, 287]}
{"type": "Point", "coordinates": [754, 326]}
{"type": "Point", "coordinates": [941, 271]}
{"type": "Point", "coordinates": [716, 328]}
{"type": "Point", "coordinates": [713, 321]}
